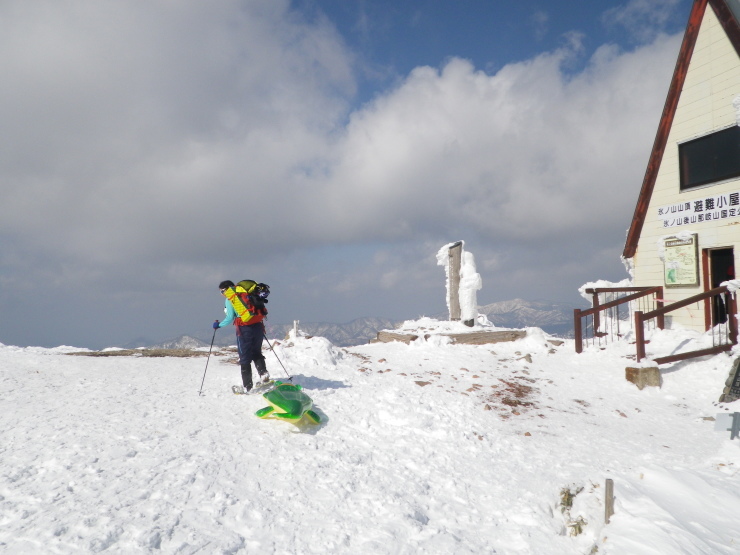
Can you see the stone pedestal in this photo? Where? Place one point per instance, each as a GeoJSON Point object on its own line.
{"type": "Point", "coordinates": [642, 377]}
{"type": "Point", "coordinates": [471, 338]}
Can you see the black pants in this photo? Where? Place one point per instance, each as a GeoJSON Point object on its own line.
{"type": "Point", "coordinates": [249, 343]}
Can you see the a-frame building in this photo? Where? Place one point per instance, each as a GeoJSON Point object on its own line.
{"type": "Point", "coordinates": [685, 233]}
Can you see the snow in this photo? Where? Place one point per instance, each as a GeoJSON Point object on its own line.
{"type": "Point", "coordinates": [732, 285]}
{"type": "Point", "coordinates": [470, 284]}
{"type": "Point", "coordinates": [601, 284]}
{"type": "Point", "coordinates": [425, 448]}
{"type": "Point", "coordinates": [629, 267]}
{"type": "Point", "coordinates": [682, 235]}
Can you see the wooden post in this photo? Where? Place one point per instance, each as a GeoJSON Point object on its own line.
{"type": "Point", "coordinates": [577, 331]}
{"type": "Point", "coordinates": [609, 500]}
{"type": "Point", "coordinates": [639, 336]}
{"type": "Point", "coordinates": [658, 305]}
{"type": "Point", "coordinates": [708, 301]}
{"type": "Point", "coordinates": [455, 262]}
{"type": "Point", "coordinates": [732, 318]}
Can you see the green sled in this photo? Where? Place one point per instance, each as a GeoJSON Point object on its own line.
{"type": "Point", "coordinates": [288, 402]}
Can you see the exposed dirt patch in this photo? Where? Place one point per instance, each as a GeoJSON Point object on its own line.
{"type": "Point", "coordinates": [181, 353]}
{"type": "Point", "coordinates": [512, 397]}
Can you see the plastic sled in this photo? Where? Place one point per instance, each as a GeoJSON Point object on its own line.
{"type": "Point", "coordinates": [288, 402]}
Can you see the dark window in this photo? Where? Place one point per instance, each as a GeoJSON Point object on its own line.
{"type": "Point", "coordinates": [711, 158]}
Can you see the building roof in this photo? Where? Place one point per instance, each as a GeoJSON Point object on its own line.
{"type": "Point", "coordinates": [728, 13]}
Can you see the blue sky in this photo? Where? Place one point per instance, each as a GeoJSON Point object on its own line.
{"type": "Point", "coordinates": [392, 38]}
{"type": "Point", "coordinates": [326, 147]}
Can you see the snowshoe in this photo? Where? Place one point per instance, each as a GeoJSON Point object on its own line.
{"type": "Point", "coordinates": [261, 387]}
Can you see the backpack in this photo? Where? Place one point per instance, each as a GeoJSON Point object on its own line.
{"type": "Point", "coordinates": [248, 299]}
{"type": "Point", "coordinates": [258, 293]}
{"type": "Point", "coordinates": [260, 290]}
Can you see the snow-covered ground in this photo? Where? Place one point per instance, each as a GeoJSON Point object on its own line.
{"type": "Point", "coordinates": [425, 448]}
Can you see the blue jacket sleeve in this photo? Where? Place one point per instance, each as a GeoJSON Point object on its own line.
{"type": "Point", "coordinates": [230, 314]}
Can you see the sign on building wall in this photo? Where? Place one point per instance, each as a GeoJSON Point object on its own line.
{"type": "Point", "coordinates": [707, 209]}
{"type": "Point", "coordinates": [681, 261]}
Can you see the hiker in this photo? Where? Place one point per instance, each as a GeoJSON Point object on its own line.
{"type": "Point", "coordinates": [249, 332]}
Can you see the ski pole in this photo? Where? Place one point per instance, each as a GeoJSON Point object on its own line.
{"type": "Point", "coordinates": [290, 378]}
{"type": "Point", "coordinates": [207, 359]}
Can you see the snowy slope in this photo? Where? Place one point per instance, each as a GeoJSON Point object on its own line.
{"type": "Point", "coordinates": [425, 448]}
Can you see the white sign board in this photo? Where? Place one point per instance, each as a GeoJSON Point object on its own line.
{"type": "Point", "coordinates": [705, 209]}
{"type": "Point", "coordinates": [681, 261]}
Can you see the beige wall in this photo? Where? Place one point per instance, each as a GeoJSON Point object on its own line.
{"type": "Point", "coordinates": [705, 106]}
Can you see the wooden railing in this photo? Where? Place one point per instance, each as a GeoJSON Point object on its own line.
{"type": "Point", "coordinates": [724, 334]}
{"type": "Point", "coordinates": [609, 321]}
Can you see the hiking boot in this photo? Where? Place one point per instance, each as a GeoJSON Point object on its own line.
{"type": "Point", "coordinates": [264, 378]}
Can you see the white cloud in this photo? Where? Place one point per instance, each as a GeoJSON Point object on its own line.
{"type": "Point", "coordinates": [540, 20]}
{"type": "Point", "coordinates": [125, 122]}
{"type": "Point", "coordinates": [642, 19]}
{"type": "Point", "coordinates": [522, 155]}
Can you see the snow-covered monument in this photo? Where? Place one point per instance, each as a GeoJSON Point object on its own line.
{"type": "Point", "coordinates": [463, 282]}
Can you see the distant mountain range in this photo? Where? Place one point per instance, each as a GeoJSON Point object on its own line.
{"type": "Point", "coordinates": [184, 342]}
{"type": "Point", "coordinates": [355, 332]}
{"type": "Point", "coordinates": [553, 318]}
